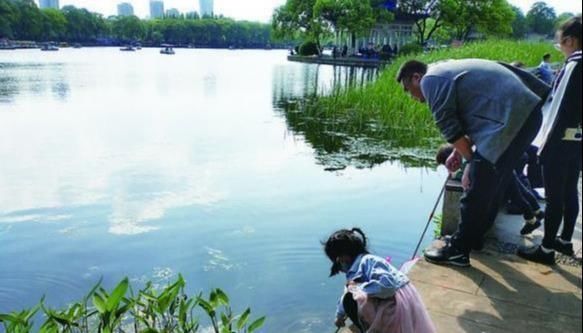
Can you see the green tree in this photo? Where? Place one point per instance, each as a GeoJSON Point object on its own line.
{"type": "Point", "coordinates": [541, 18]}
{"type": "Point", "coordinates": [519, 25]}
{"type": "Point", "coordinates": [493, 17]}
{"type": "Point", "coordinates": [562, 19]}
{"type": "Point", "coordinates": [84, 26]}
{"type": "Point", "coordinates": [28, 24]}
{"type": "Point", "coordinates": [8, 17]}
{"type": "Point", "coordinates": [428, 23]}
{"type": "Point", "coordinates": [54, 24]}
{"type": "Point", "coordinates": [127, 28]}
{"type": "Point", "coordinates": [296, 19]}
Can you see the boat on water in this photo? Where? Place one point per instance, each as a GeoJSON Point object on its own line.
{"type": "Point", "coordinates": [49, 47]}
{"type": "Point", "coordinates": [77, 46]}
{"type": "Point", "coordinates": [7, 47]}
{"type": "Point", "coordinates": [167, 49]}
{"type": "Point", "coordinates": [128, 48]}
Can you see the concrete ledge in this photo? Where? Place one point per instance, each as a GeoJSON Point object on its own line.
{"type": "Point", "coordinates": [451, 207]}
{"type": "Point", "coordinates": [349, 61]}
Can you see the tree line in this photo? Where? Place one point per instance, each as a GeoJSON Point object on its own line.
{"type": "Point", "coordinates": [23, 20]}
{"type": "Point", "coordinates": [441, 20]}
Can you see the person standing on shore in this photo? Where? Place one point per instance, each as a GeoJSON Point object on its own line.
{"type": "Point", "coordinates": [561, 153]}
{"type": "Point", "coordinates": [492, 106]}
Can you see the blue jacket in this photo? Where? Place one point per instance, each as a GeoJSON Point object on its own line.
{"type": "Point", "coordinates": [375, 276]}
{"type": "Point", "coordinates": [487, 101]}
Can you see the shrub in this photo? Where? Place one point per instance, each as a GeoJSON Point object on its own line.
{"type": "Point", "coordinates": [151, 311]}
{"type": "Point", "coordinates": [309, 48]}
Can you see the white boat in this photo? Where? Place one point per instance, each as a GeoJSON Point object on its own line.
{"type": "Point", "coordinates": [167, 49]}
{"type": "Point", "coordinates": [128, 48]}
{"type": "Point", "coordinates": [49, 47]}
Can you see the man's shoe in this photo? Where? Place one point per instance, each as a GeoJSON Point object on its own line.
{"type": "Point", "coordinates": [566, 249]}
{"type": "Point", "coordinates": [530, 227]}
{"type": "Point", "coordinates": [478, 246]}
{"type": "Point", "coordinates": [536, 254]}
{"type": "Point", "coordinates": [448, 255]}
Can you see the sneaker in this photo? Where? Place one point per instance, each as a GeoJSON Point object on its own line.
{"type": "Point", "coordinates": [536, 254]}
{"type": "Point", "coordinates": [478, 246]}
{"type": "Point", "coordinates": [566, 249]}
{"type": "Point", "coordinates": [530, 227]}
{"type": "Point", "coordinates": [448, 255]}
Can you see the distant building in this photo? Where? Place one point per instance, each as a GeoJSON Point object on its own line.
{"type": "Point", "coordinates": [49, 4]}
{"type": "Point", "coordinates": [156, 9]}
{"type": "Point", "coordinates": [125, 9]}
{"type": "Point", "coordinates": [206, 7]}
{"type": "Point", "coordinates": [172, 12]}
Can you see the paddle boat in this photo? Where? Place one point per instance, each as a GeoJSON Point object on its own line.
{"type": "Point", "coordinates": [49, 47]}
{"type": "Point", "coordinates": [128, 48]}
{"type": "Point", "coordinates": [167, 49]}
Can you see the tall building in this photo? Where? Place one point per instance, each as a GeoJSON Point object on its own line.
{"type": "Point", "coordinates": [125, 9]}
{"type": "Point", "coordinates": [49, 4]}
{"type": "Point", "coordinates": [206, 7]}
{"type": "Point", "coordinates": [156, 9]}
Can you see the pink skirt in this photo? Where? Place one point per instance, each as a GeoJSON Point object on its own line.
{"type": "Point", "coordinates": [404, 313]}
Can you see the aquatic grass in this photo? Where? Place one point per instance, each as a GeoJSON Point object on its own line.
{"type": "Point", "coordinates": [382, 110]}
{"type": "Point", "coordinates": [148, 311]}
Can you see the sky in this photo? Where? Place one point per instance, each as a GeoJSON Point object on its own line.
{"type": "Point", "coordinates": [259, 10]}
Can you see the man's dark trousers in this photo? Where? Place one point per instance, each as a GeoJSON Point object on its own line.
{"type": "Point", "coordinates": [487, 181]}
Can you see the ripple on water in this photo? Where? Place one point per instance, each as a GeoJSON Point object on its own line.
{"type": "Point", "coordinates": [24, 289]}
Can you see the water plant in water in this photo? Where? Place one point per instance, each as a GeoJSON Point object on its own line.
{"type": "Point", "coordinates": [365, 126]}
{"type": "Point", "coordinates": [147, 311]}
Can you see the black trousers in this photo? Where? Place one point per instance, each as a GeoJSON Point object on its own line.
{"type": "Point", "coordinates": [521, 196]}
{"type": "Point", "coordinates": [351, 309]}
{"type": "Point", "coordinates": [488, 181]}
{"type": "Point", "coordinates": [561, 170]}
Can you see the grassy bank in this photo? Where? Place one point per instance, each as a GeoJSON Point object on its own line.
{"type": "Point", "coordinates": [381, 109]}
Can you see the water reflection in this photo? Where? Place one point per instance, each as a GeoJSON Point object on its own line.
{"type": "Point", "coordinates": [34, 79]}
{"type": "Point", "coordinates": [336, 141]}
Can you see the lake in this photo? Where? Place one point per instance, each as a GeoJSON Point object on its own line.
{"type": "Point", "coordinates": [137, 164]}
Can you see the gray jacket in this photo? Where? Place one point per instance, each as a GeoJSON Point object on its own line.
{"type": "Point", "coordinates": [485, 100]}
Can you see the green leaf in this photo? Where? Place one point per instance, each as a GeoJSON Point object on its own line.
{"type": "Point", "coordinates": [243, 319]}
{"type": "Point", "coordinates": [149, 330]}
{"type": "Point", "coordinates": [92, 291]}
{"type": "Point", "coordinates": [117, 294]}
{"type": "Point", "coordinates": [256, 324]}
{"type": "Point", "coordinates": [99, 303]}
{"type": "Point", "coordinates": [222, 297]}
{"type": "Point", "coordinates": [207, 307]}
{"type": "Point", "coordinates": [9, 318]}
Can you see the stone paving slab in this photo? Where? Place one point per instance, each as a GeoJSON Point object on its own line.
{"type": "Point", "coordinates": [502, 292]}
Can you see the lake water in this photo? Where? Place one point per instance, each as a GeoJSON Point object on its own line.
{"type": "Point", "coordinates": [118, 164]}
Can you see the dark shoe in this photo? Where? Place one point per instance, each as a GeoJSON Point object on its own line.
{"type": "Point", "coordinates": [448, 255]}
{"type": "Point", "coordinates": [478, 246]}
{"type": "Point", "coordinates": [536, 254]}
{"type": "Point", "coordinates": [540, 215]}
{"type": "Point", "coordinates": [566, 249]}
{"type": "Point", "coordinates": [530, 227]}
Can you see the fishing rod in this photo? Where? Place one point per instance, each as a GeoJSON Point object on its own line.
{"type": "Point", "coordinates": [431, 216]}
